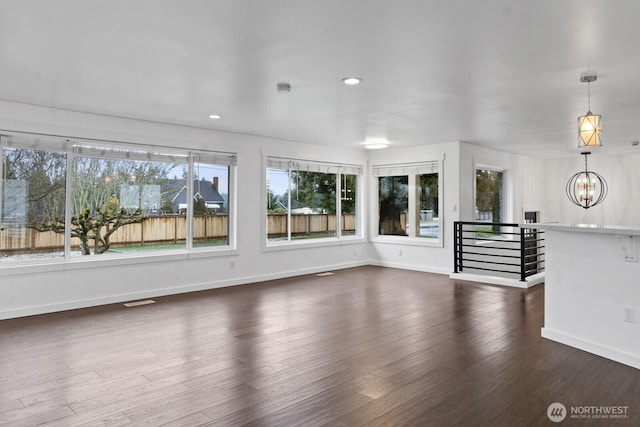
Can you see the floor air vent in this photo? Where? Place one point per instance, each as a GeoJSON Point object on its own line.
{"type": "Point", "coordinates": [137, 303]}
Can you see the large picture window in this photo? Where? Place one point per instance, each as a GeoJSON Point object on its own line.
{"type": "Point", "coordinates": [303, 199]}
{"type": "Point", "coordinates": [409, 202]}
{"type": "Point", "coordinates": [121, 198]}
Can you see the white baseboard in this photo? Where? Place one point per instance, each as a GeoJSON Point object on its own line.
{"type": "Point", "coordinates": [620, 356]}
{"type": "Point", "coordinates": [174, 290]}
{"type": "Point", "coordinates": [497, 280]}
{"type": "Point", "coordinates": [413, 267]}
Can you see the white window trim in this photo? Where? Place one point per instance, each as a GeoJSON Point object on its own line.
{"type": "Point", "coordinates": [507, 196]}
{"type": "Point", "coordinates": [12, 268]}
{"type": "Point", "coordinates": [279, 162]}
{"type": "Point", "coordinates": [409, 169]}
{"type": "Point", "coordinates": [73, 146]}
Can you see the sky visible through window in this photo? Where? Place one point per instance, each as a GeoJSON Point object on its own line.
{"type": "Point", "coordinates": [278, 181]}
{"type": "Point", "coordinates": [206, 172]}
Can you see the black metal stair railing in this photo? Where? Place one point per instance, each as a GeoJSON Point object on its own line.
{"type": "Point", "coordinates": [498, 247]}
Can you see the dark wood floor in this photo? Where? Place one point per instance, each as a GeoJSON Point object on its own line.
{"type": "Point", "coordinates": [366, 346]}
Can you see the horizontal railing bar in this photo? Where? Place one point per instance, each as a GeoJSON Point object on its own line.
{"type": "Point", "coordinates": [537, 253]}
{"type": "Point", "coordinates": [491, 262]}
{"type": "Point", "coordinates": [534, 262]}
{"type": "Point", "coordinates": [486, 230]}
{"type": "Point", "coordinates": [482, 237]}
{"type": "Point", "coordinates": [516, 233]}
{"type": "Point", "coordinates": [493, 269]}
{"type": "Point", "coordinates": [513, 246]}
{"type": "Point", "coordinates": [466, 239]}
{"type": "Point", "coordinates": [492, 247]}
{"type": "Point", "coordinates": [533, 247]}
{"type": "Point", "coordinates": [495, 238]}
{"type": "Point", "coordinates": [501, 224]}
{"type": "Point", "coordinates": [498, 255]}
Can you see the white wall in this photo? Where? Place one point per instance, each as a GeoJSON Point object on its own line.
{"type": "Point", "coordinates": [415, 256]}
{"type": "Point", "coordinates": [36, 289]}
{"type": "Point", "coordinates": [525, 181]}
{"type": "Point", "coordinates": [622, 173]}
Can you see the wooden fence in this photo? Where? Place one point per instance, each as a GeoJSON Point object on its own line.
{"type": "Point", "coordinates": [170, 229]}
{"type": "Point", "coordinates": [308, 224]}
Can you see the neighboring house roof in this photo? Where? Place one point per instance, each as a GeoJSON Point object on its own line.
{"type": "Point", "coordinates": [201, 189]}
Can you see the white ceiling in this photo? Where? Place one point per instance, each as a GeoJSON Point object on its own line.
{"type": "Point", "coordinates": [503, 74]}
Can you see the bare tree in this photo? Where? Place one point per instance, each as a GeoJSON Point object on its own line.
{"type": "Point", "coordinates": [96, 181]}
{"type": "Point", "coordinates": [97, 186]}
{"type": "Point", "coordinates": [98, 227]}
{"type": "Point", "coordinates": [45, 173]}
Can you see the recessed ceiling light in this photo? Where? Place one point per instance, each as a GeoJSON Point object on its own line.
{"type": "Point", "coordinates": [215, 116]}
{"type": "Point", "coordinates": [351, 80]}
{"type": "Point", "coordinates": [376, 145]}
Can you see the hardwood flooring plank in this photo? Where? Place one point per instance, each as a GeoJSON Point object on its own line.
{"type": "Point", "coordinates": [84, 391]}
{"type": "Point", "coordinates": [169, 408]}
{"type": "Point", "coordinates": [272, 400]}
{"type": "Point", "coordinates": [142, 367]}
{"type": "Point", "coordinates": [107, 404]}
{"type": "Point", "coordinates": [34, 415]}
{"type": "Point", "coordinates": [318, 409]}
{"type": "Point", "coordinates": [18, 389]}
{"type": "Point", "coordinates": [7, 370]}
{"type": "Point", "coordinates": [10, 405]}
{"type": "Point", "coordinates": [112, 420]}
{"type": "Point", "coordinates": [193, 420]}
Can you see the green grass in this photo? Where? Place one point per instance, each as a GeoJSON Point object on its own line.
{"type": "Point", "coordinates": [486, 231]}
{"type": "Point", "coordinates": [311, 236]}
{"type": "Point", "coordinates": [169, 246]}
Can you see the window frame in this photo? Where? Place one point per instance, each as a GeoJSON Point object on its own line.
{"type": "Point", "coordinates": [52, 144]}
{"type": "Point", "coordinates": [339, 169]}
{"type": "Point", "coordinates": [505, 210]}
{"type": "Point", "coordinates": [75, 147]}
{"type": "Point", "coordinates": [413, 172]}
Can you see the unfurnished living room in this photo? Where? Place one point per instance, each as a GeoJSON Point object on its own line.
{"type": "Point", "coordinates": [337, 213]}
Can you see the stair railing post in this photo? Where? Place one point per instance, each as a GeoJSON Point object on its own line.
{"type": "Point", "coordinates": [522, 252]}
